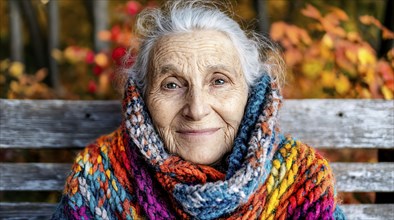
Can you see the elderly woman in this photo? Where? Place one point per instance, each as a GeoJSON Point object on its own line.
{"type": "Point", "coordinates": [199, 137]}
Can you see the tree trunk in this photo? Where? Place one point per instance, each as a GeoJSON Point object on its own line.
{"type": "Point", "coordinates": [262, 16]}
{"type": "Point", "coordinates": [53, 43]}
{"type": "Point", "coordinates": [100, 23]}
{"type": "Point", "coordinates": [15, 31]}
{"type": "Point", "coordinates": [34, 30]}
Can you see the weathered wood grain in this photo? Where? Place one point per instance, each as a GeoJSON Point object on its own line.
{"type": "Point", "coordinates": [33, 211]}
{"type": "Point", "coordinates": [350, 177]}
{"type": "Point", "coordinates": [33, 176]}
{"type": "Point", "coordinates": [55, 123]}
{"type": "Point", "coordinates": [369, 211]}
{"type": "Point", "coordinates": [321, 123]}
{"type": "Point", "coordinates": [364, 177]}
{"type": "Point", "coordinates": [338, 123]}
{"type": "Point", "coordinates": [26, 210]}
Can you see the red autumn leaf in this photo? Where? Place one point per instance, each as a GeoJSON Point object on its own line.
{"type": "Point", "coordinates": [116, 31]}
{"type": "Point", "coordinates": [97, 70]}
{"type": "Point", "coordinates": [89, 59]}
{"type": "Point", "coordinates": [387, 73]}
{"type": "Point", "coordinates": [133, 7]}
{"type": "Point", "coordinates": [118, 54]}
{"type": "Point", "coordinates": [92, 86]}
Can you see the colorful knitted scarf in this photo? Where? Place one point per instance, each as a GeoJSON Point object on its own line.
{"type": "Point", "coordinates": [129, 175]}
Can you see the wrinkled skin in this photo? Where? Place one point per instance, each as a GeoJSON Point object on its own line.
{"type": "Point", "coordinates": [196, 94]}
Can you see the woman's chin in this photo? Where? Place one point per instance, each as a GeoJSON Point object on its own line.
{"type": "Point", "coordinates": [203, 158]}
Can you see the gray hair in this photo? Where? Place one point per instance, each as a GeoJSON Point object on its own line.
{"type": "Point", "coordinates": [258, 54]}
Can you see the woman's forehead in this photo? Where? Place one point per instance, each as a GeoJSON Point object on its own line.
{"type": "Point", "coordinates": [211, 47]}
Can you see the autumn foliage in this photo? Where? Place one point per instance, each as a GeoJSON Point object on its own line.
{"type": "Point", "coordinates": [326, 61]}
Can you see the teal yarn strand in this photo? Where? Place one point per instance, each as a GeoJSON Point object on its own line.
{"type": "Point", "coordinates": [252, 111]}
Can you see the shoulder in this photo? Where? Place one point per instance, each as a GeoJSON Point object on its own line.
{"type": "Point", "coordinates": [94, 164]}
{"type": "Point", "coordinates": [302, 160]}
{"type": "Point", "coordinates": [300, 177]}
{"type": "Point", "coordinates": [291, 149]}
{"type": "Point", "coordinates": [99, 180]}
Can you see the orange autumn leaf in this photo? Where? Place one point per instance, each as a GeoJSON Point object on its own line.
{"type": "Point", "coordinates": [293, 56]}
{"type": "Point", "coordinates": [292, 34]}
{"type": "Point", "coordinates": [311, 12]}
{"type": "Point", "coordinates": [370, 20]}
{"type": "Point", "coordinates": [353, 36]}
{"type": "Point", "coordinates": [305, 37]}
{"type": "Point", "coordinates": [341, 15]}
{"type": "Point", "coordinates": [328, 78]}
{"type": "Point", "coordinates": [278, 30]}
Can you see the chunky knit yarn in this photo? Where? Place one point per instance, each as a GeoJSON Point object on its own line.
{"type": "Point", "coordinates": [129, 175]}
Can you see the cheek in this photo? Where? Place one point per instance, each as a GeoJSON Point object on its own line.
{"type": "Point", "coordinates": [161, 111]}
{"type": "Point", "coordinates": [232, 105]}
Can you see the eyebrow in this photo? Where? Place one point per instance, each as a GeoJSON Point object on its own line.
{"type": "Point", "coordinates": [168, 68]}
{"type": "Point", "coordinates": [221, 67]}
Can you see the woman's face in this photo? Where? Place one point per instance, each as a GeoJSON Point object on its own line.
{"type": "Point", "coordinates": [196, 94]}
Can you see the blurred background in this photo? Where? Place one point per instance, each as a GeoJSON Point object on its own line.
{"type": "Point", "coordinates": [65, 49]}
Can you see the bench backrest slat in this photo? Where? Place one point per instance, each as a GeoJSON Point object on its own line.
{"type": "Point", "coordinates": [334, 124]}
{"type": "Point", "coordinates": [320, 123]}
{"type": "Point", "coordinates": [350, 177]}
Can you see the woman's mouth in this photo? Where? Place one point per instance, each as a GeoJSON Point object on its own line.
{"type": "Point", "coordinates": [197, 132]}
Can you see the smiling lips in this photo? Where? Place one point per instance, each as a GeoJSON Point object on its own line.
{"type": "Point", "coordinates": [198, 132]}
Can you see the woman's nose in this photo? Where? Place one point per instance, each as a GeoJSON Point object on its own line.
{"type": "Point", "coordinates": [197, 106]}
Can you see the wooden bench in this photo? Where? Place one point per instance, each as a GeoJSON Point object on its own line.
{"type": "Point", "coordinates": [55, 124]}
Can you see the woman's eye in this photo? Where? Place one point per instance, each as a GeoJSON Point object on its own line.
{"type": "Point", "coordinates": [219, 82]}
{"type": "Point", "coordinates": [171, 85]}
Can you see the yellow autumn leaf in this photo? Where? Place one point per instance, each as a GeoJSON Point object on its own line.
{"type": "Point", "coordinates": [70, 55]}
{"type": "Point", "coordinates": [369, 76]}
{"type": "Point", "coordinates": [353, 36]}
{"type": "Point", "coordinates": [327, 41]}
{"type": "Point", "coordinates": [365, 57]}
{"type": "Point", "coordinates": [57, 54]}
{"type": "Point", "coordinates": [16, 69]}
{"type": "Point", "coordinates": [365, 93]}
{"type": "Point", "coordinates": [101, 60]}
{"type": "Point", "coordinates": [14, 86]}
{"type": "Point", "coordinates": [328, 78]}
{"type": "Point", "coordinates": [342, 85]}
{"type": "Point", "coordinates": [351, 56]}
{"type": "Point", "coordinates": [327, 54]}
{"type": "Point", "coordinates": [387, 93]}
{"type": "Point", "coordinates": [312, 68]}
